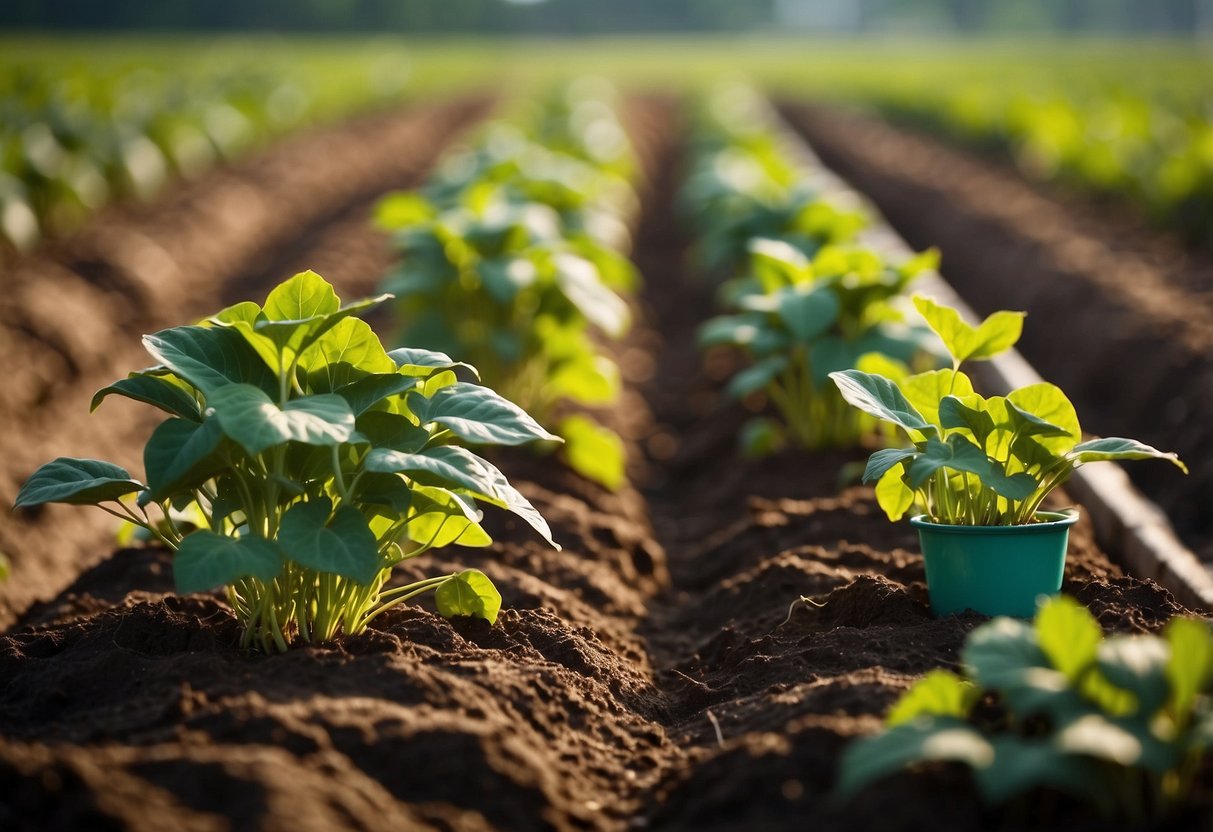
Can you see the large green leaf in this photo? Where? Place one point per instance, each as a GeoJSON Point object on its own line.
{"type": "Point", "coordinates": [415, 361]}
{"type": "Point", "coordinates": [251, 419]}
{"type": "Point", "coordinates": [960, 454]}
{"type": "Point", "coordinates": [926, 390]}
{"type": "Point", "coordinates": [391, 430]}
{"type": "Point", "coordinates": [477, 414]}
{"type": "Point", "coordinates": [468, 593]}
{"type": "Point", "coordinates": [590, 379]}
{"type": "Point", "coordinates": [879, 397]}
{"type": "Point", "coordinates": [939, 693]}
{"type": "Point", "coordinates": [1190, 668]}
{"type": "Point", "coordinates": [368, 391]}
{"type": "Point", "coordinates": [938, 739]}
{"type": "Point", "coordinates": [757, 376]}
{"type": "Point", "coordinates": [776, 263]}
{"type": "Point", "coordinates": [594, 451]}
{"type": "Point", "coordinates": [206, 560]}
{"type": "Point", "coordinates": [736, 330]}
{"type": "Point", "coordinates": [154, 390]}
{"type": "Point", "coordinates": [306, 295]}
{"type": "Point", "coordinates": [1004, 655]}
{"type": "Point", "coordinates": [1020, 765]}
{"type": "Point", "coordinates": [503, 278]}
{"type": "Point", "coordinates": [303, 308]}
{"type": "Point", "coordinates": [1137, 664]}
{"type": "Point", "coordinates": [211, 358]}
{"type": "Point", "coordinates": [1029, 424]}
{"type": "Point", "coordinates": [1048, 404]}
{"type": "Point", "coordinates": [808, 314]}
{"type": "Point", "coordinates": [579, 281]}
{"type": "Point", "coordinates": [1096, 450]}
{"type": "Point", "coordinates": [893, 496]}
{"type": "Point", "coordinates": [968, 414]}
{"type": "Point", "coordinates": [342, 544]}
{"type": "Point", "coordinates": [512, 500]}
{"type": "Point", "coordinates": [180, 454]}
{"type": "Point", "coordinates": [883, 460]}
{"type": "Point", "coordinates": [387, 490]}
{"type": "Point", "coordinates": [446, 466]}
{"type": "Point", "coordinates": [1069, 636]}
{"type": "Point", "coordinates": [344, 354]}
{"type": "Point", "coordinates": [78, 482]}
{"type": "Point", "coordinates": [995, 334]}
{"type": "Point", "coordinates": [440, 518]}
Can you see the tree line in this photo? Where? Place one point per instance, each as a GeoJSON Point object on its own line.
{"type": "Point", "coordinates": [590, 16]}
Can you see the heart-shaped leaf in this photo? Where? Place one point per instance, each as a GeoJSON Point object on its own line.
{"type": "Point", "coordinates": [477, 414]}
{"type": "Point", "coordinates": [469, 593]}
{"type": "Point", "coordinates": [78, 482]}
{"type": "Point", "coordinates": [251, 419]}
{"type": "Point", "coordinates": [340, 542]}
{"type": "Point", "coordinates": [205, 561]}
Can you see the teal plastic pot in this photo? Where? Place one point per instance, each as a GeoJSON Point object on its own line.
{"type": "Point", "coordinates": [994, 570]}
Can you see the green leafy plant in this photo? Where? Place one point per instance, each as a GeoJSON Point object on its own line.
{"type": "Point", "coordinates": [799, 320]}
{"type": "Point", "coordinates": [510, 260]}
{"type": "Point", "coordinates": [301, 462]}
{"type": "Point", "coordinates": [745, 183]}
{"type": "Point", "coordinates": [1122, 722]}
{"type": "Point", "coordinates": [975, 460]}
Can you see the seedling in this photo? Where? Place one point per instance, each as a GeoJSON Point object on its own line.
{"type": "Point", "coordinates": [799, 320]}
{"type": "Point", "coordinates": [1122, 723]}
{"type": "Point", "coordinates": [974, 460]}
{"type": "Point", "coordinates": [510, 261]}
{"type": "Point", "coordinates": [311, 462]}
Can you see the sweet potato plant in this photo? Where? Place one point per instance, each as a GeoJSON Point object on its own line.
{"type": "Point", "coordinates": [1122, 723]}
{"type": "Point", "coordinates": [975, 460]}
{"type": "Point", "coordinates": [300, 462]}
{"type": "Point", "coordinates": [511, 259]}
{"type": "Point", "coordinates": [802, 298]}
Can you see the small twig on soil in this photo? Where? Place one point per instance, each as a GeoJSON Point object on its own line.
{"type": "Point", "coordinates": [716, 724]}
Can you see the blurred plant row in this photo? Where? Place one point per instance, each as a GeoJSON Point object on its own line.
{"type": "Point", "coordinates": [512, 258]}
{"type": "Point", "coordinates": [1149, 138]}
{"type": "Point", "coordinates": [74, 138]}
{"type": "Point", "coordinates": [803, 296]}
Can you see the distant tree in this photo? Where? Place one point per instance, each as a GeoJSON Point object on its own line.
{"type": "Point", "coordinates": [968, 15]}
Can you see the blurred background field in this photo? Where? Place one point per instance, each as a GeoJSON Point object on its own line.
{"type": "Point", "coordinates": [98, 102]}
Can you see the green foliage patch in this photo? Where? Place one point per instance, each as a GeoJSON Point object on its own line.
{"type": "Point", "coordinates": [300, 462]}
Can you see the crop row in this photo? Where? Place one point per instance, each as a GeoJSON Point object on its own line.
{"type": "Point", "coordinates": [513, 258]}
{"type": "Point", "coordinates": [829, 341]}
{"type": "Point", "coordinates": [302, 461]}
{"type": "Point", "coordinates": [1150, 140]}
{"type": "Point", "coordinates": [74, 138]}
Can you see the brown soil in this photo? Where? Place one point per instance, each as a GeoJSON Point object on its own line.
{"type": "Point", "coordinates": [658, 673]}
{"type": "Point", "coordinates": [1129, 309]}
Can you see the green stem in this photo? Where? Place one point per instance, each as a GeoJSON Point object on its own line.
{"type": "Point", "coordinates": [424, 586]}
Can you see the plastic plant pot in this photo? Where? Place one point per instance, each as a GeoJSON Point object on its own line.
{"type": "Point", "coordinates": [994, 570]}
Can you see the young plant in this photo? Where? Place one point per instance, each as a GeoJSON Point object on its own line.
{"type": "Point", "coordinates": [301, 462]}
{"type": "Point", "coordinates": [511, 261]}
{"type": "Point", "coordinates": [973, 460]}
{"type": "Point", "coordinates": [745, 185]}
{"type": "Point", "coordinates": [1122, 723]}
{"type": "Point", "coordinates": [799, 320]}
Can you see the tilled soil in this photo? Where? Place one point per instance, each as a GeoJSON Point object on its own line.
{"type": "Point", "coordinates": [660, 672]}
{"type": "Point", "coordinates": [1120, 316]}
